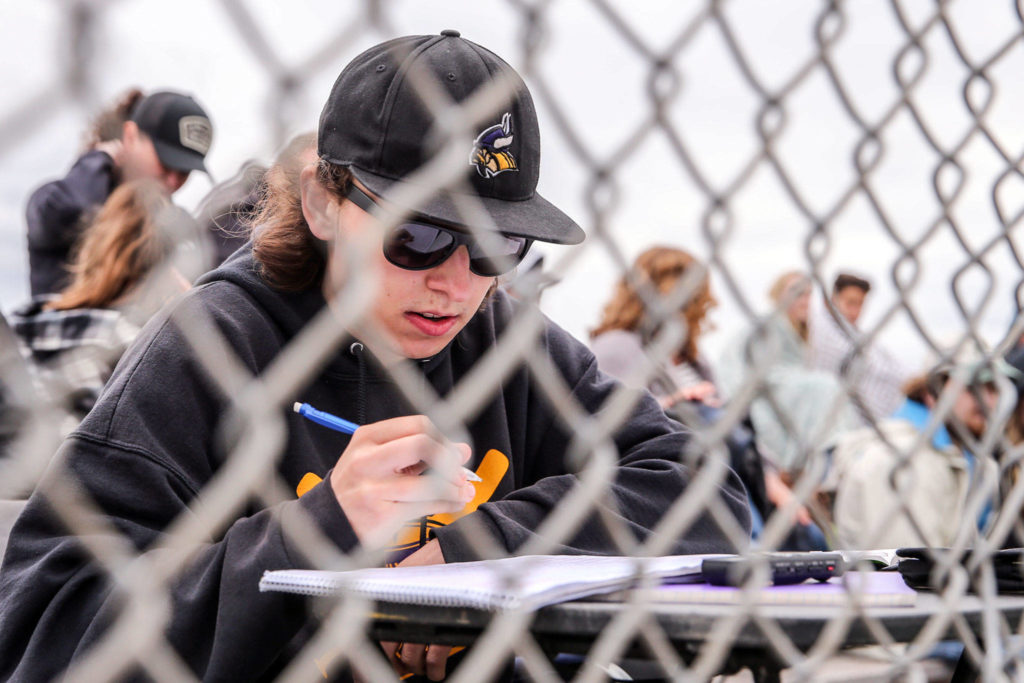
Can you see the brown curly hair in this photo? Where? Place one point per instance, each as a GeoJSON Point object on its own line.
{"type": "Point", "coordinates": [290, 257]}
{"type": "Point", "coordinates": [663, 268]}
{"type": "Point", "coordinates": [109, 123]}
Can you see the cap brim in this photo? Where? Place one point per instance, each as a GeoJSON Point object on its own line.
{"type": "Point", "coordinates": [178, 159]}
{"type": "Point", "coordinates": [535, 218]}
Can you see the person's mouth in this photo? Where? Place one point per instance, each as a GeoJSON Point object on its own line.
{"type": "Point", "coordinates": [432, 323]}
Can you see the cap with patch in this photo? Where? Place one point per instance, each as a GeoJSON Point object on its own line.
{"type": "Point", "coordinates": [179, 128]}
{"type": "Point", "coordinates": [976, 369]}
{"type": "Point", "coordinates": [376, 124]}
{"type": "Point", "coordinates": [1016, 360]}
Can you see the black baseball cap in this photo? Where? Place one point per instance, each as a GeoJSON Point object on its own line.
{"type": "Point", "coordinates": [376, 125]}
{"type": "Point", "coordinates": [179, 128]}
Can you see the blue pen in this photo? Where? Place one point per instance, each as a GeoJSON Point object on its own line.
{"type": "Point", "coordinates": [345, 427]}
{"type": "Point", "coordinates": [326, 419]}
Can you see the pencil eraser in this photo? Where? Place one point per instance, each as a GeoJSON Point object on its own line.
{"type": "Point", "coordinates": [296, 406]}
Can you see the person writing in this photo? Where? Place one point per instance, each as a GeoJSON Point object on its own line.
{"type": "Point", "coordinates": [433, 312]}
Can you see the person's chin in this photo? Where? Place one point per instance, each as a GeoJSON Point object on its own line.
{"type": "Point", "coordinates": [425, 348]}
{"type": "Point", "coordinates": [424, 354]}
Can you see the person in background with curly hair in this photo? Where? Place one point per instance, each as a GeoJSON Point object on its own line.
{"type": "Point", "coordinates": [627, 326]}
{"type": "Point", "coordinates": [161, 137]}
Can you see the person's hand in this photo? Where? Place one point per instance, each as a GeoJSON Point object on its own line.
{"type": "Point", "coordinates": [414, 658]}
{"type": "Point", "coordinates": [780, 495]}
{"type": "Point", "coordinates": [703, 392]}
{"type": "Point", "coordinates": [112, 148]}
{"type": "Point", "coordinates": [377, 479]}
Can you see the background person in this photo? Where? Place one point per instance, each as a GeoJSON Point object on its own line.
{"type": "Point", "coordinates": [427, 317]}
{"type": "Point", "coordinates": [626, 327]}
{"type": "Point", "coordinates": [838, 346]}
{"type": "Point", "coordinates": [931, 479]}
{"type": "Point", "coordinates": [229, 209]}
{"type": "Point", "coordinates": [684, 383]}
{"type": "Point", "coordinates": [161, 137]}
{"type": "Point", "coordinates": [120, 275]}
{"type": "Point", "coordinates": [800, 411]}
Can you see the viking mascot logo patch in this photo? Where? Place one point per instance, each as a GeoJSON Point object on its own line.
{"type": "Point", "coordinates": [490, 155]}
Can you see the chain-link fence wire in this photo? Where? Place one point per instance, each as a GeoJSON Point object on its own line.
{"type": "Point", "coordinates": [928, 34]}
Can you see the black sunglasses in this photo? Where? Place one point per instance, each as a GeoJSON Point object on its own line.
{"type": "Point", "coordinates": [418, 244]}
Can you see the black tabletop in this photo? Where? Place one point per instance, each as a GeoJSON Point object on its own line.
{"type": "Point", "coordinates": [573, 626]}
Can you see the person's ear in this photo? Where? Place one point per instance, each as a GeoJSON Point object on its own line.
{"type": "Point", "coordinates": [319, 207]}
{"type": "Point", "coordinates": [929, 399]}
{"type": "Point", "coordinates": [129, 132]}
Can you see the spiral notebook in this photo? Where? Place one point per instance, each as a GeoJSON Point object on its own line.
{"type": "Point", "coordinates": [530, 581]}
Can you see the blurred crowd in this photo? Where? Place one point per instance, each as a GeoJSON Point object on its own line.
{"type": "Point", "coordinates": [879, 455]}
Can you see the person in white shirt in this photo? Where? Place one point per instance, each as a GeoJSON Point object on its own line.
{"type": "Point", "coordinates": [839, 346]}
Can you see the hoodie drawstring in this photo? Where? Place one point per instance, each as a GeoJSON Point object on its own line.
{"type": "Point", "coordinates": [356, 349]}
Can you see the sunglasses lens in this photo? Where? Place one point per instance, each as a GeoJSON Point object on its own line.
{"type": "Point", "coordinates": [503, 254]}
{"type": "Point", "coordinates": [417, 246]}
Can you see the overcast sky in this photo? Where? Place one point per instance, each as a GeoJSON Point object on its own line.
{"type": "Point", "coordinates": [599, 80]}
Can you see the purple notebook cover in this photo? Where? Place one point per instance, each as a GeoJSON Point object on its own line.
{"type": "Point", "coordinates": [872, 588]}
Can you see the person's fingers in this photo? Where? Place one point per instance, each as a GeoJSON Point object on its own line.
{"type": "Point", "coordinates": [388, 458]}
{"type": "Point", "coordinates": [398, 427]}
{"type": "Point", "coordinates": [442, 459]}
{"type": "Point", "coordinates": [464, 452]}
{"type": "Point", "coordinates": [410, 455]}
{"type": "Point", "coordinates": [414, 470]}
{"type": "Point", "coordinates": [803, 515]}
{"type": "Point", "coordinates": [414, 657]}
{"type": "Point", "coordinates": [393, 652]}
{"type": "Point", "coordinates": [437, 661]}
{"type": "Point", "coordinates": [408, 511]}
{"type": "Point", "coordinates": [422, 489]}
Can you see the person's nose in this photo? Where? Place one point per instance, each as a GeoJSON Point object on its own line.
{"type": "Point", "coordinates": [453, 275]}
{"type": "Point", "coordinates": [173, 179]}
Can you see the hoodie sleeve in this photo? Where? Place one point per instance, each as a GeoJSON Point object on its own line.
{"type": "Point", "coordinates": [144, 455]}
{"type": "Point", "coordinates": [650, 473]}
{"type": "Point", "coordinates": [54, 209]}
{"type": "Point", "coordinates": [55, 215]}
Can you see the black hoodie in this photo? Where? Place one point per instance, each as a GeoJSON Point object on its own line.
{"type": "Point", "coordinates": [157, 437]}
{"type": "Point", "coordinates": [58, 213]}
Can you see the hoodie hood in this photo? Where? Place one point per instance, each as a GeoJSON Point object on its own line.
{"type": "Point", "coordinates": [291, 311]}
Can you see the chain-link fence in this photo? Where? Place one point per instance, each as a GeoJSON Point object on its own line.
{"type": "Point", "coordinates": [752, 144]}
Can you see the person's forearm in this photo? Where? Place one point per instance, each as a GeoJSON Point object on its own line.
{"type": "Point", "coordinates": [428, 554]}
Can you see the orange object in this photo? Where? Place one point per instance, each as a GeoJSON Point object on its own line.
{"type": "Point", "coordinates": [308, 481]}
{"type": "Point", "coordinates": [491, 469]}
